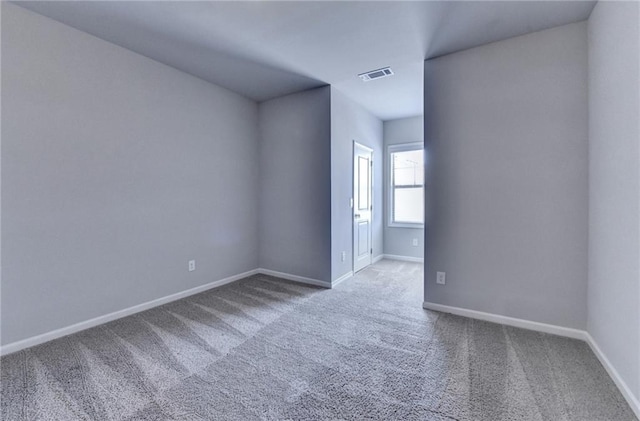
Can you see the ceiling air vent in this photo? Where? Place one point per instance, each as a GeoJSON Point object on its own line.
{"type": "Point", "coordinates": [376, 74]}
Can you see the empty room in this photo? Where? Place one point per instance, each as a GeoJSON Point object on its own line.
{"type": "Point", "coordinates": [319, 210]}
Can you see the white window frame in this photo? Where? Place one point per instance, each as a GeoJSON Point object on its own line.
{"type": "Point", "coordinates": [391, 149]}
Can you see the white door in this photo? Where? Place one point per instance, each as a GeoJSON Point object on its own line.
{"type": "Point", "coordinates": [362, 206]}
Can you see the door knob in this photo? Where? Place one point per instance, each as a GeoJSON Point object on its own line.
{"type": "Point", "coordinates": [357, 215]}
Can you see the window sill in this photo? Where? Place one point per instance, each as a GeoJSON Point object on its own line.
{"type": "Point", "coordinates": [405, 225]}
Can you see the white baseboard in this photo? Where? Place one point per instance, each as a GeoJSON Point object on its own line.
{"type": "Point", "coordinates": [404, 258]}
{"type": "Point", "coordinates": [632, 400]}
{"type": "Point", "coordinates": [342, 278]}
{"type": "Point", "coordinates": [296, 278]}
{"type": "Point", "coordinates": [377, 258]}
{"type": "Point", "coordinates": [87, 324]}
{"type": "Point", "coordinates": [509, 321]}
{"type": "Point", "coordinates": [59, 333]}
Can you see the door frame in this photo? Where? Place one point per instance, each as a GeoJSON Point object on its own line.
{"type": "Point", "coordinates": [353, 209]}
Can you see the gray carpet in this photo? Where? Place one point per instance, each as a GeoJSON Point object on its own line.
{"type": "Point", "coordinates": [263, 348]}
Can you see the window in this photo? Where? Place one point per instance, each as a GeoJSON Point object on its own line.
{"type": "Point", "coordinates": [406, 192]}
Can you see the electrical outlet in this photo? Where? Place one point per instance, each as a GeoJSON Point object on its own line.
{"type": "Point", "coordinates": [343, 256]}
{"type": "Point", "coordinates": [440, 278]}
{"type": "Point", "coordinates": [414, 242]}
{"type": "Point", "coordinates": [192, 265]}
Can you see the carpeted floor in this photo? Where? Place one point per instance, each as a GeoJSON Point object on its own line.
{"type": "Point", "coordinates": [263, 348]}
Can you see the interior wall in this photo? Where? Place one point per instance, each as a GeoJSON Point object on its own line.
{"type": "Point", "coordinates": [398, 241]}
{"type": "Point", "coordinates": [116, 170]}
{"type": "Point", "coordinates": [351, 122]}
{"type": "Point", "coordinates": [614, 186]}
{"type": "Point", "coordinates": [295, 191]}
{"type": "Point", "coordinates": [506, 136]}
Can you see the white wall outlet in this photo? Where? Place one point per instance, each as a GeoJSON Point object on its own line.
{"type": "Point", "coordinates": [440, 278]}
{"type": "Point", "coordinates": [192, 265]}
{"type": "Point", "coordinates": [343, 256]}
{"type": "Point", "coordinates": [414, 242]}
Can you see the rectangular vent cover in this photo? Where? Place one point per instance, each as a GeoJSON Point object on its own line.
{"type": "Point", "coordinates": [376, 74]}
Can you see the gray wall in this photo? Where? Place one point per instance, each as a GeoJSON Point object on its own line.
{"type": "Point", "coordinates": [116, 170]}
{"type": "Point", "coordinates": [506, 136]}
{"type": "Point", "coordinates": [399, 241]}
{"type": "Point", "coordinates": [349, 122]}
{"type": "Point", "coordinates": [295, 191]}
{"type": "Point", "coordinates": [614, 186]}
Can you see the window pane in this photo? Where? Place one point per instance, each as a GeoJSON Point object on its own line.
{"type": "Point", "coordinates": [409, 205]}
{"type": "Point", "coordinates": [407, 184]}
{"type": "Point", "coordinates": [408, 168]}
{"type": "Point", "coordinates": [363, 183]}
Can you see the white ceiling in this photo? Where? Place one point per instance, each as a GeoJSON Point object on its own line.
{"type": "Point", "coordinates": [265, 49]}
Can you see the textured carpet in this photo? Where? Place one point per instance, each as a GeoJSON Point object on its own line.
{"type": "Point", "coordinates": [263, 348]}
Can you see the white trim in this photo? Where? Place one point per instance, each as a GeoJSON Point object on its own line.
{"type": "Point", "coordinates": [509, 321]}
{"type": "Point", "coordinates": [394, 148]}
{"type": "Point", "coordinates": [59, 333]}
{"type": "Point", "coordinates": [363, 145]}
{"type": "Point", "coordinates": [624, 389]}
{"type": "Point", "coordinates": [632, 400]}
{"type": "Point", "coordinates": [377, 258]}
{"type": "Point", "coordinates": [354, 258]}
{"type": "Point", "coordinates": [404, 147]}
{"type": "Point", "coordinates": [404, 258]}
{"type": "Point", "coordinates": [96, 321]}
{"type": "Point", "coordinates": [412, 225]}
{"type": "Point", "coordinates": [342, 278]}
{"type": "Point", "coordinates": [295, 278]}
